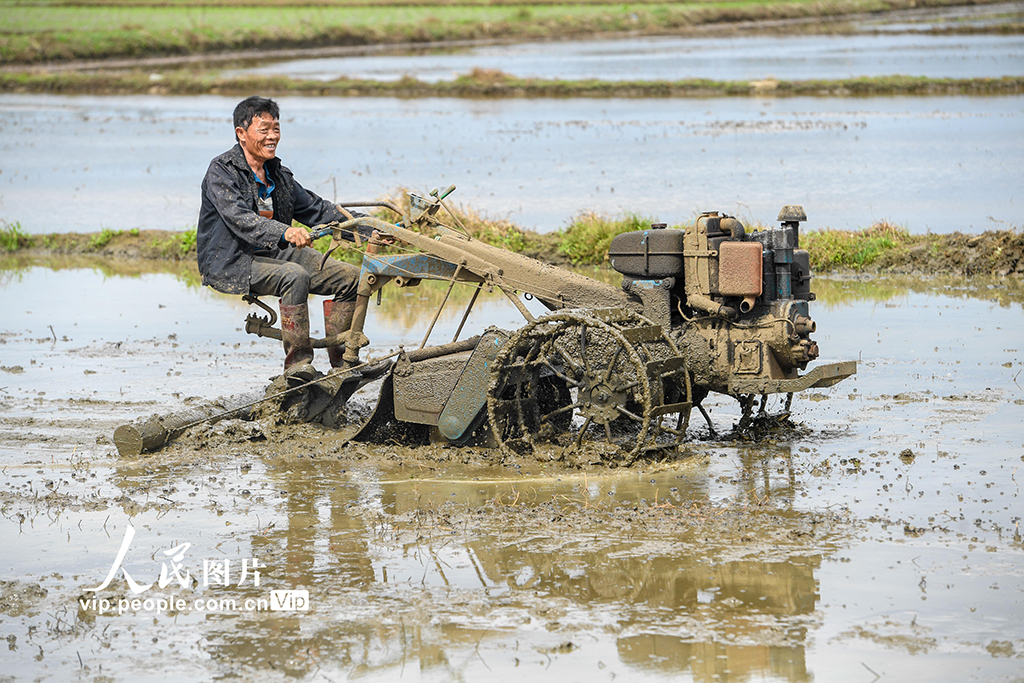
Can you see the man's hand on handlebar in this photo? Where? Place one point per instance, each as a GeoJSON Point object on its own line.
{"type": "Point", "coordinates": [301, 238]}
{"type": "Point", "coordinates": [298, 236]}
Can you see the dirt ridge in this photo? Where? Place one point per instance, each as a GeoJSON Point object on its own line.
{"type": "Point", "coordinates": [998, 253]}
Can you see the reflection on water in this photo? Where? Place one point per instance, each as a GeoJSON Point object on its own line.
{"type": "Point", "coordinates": [406, 310]}
{"type": "Point", "coordinates": [715, 661]}
{"type": "Point", "coordinates": [839, 292]}
{"type": "Point", "coordinates": [409, 589]}
{"type": "Point", "coordinates": [17, 265]}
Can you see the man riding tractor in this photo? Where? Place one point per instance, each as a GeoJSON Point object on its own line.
{"type": "Point", "coordinates": [246, 243]}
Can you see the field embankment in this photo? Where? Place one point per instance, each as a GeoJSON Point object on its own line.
{"type": "Point", "coordinates": [483, 83]}
{"type": "Point", "coordinates": [882, 248]}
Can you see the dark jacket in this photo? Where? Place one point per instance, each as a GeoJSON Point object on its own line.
{"type": "Point", "coordinates": [231, 230]}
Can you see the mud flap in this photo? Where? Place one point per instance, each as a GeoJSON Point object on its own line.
{"type": "Point", "coordinates": [462, 412]}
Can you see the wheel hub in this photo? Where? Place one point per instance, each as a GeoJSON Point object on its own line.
{"type": "Point", "coordinates": [601, 401]}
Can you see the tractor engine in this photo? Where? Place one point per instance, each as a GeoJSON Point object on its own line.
{"type": "Point", "coordinates": [736, 303]}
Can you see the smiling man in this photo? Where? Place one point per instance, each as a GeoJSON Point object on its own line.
{"type": "Point", "coordinates": [246, 243]}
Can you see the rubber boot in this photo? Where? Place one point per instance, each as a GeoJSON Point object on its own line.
{"type": "Point", "coordinates": [337, 319]}
{"type": "Point", "coordinates": [298, 351]}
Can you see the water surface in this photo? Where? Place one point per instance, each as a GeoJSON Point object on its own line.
{"type": "Point", "coordinates": [880, 540]}
{"type": "Point", "coordinates": [930, 163]}
{"type": "Point", "coordinates": [740, 58]}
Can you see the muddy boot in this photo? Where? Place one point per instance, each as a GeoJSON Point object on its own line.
{"type": "Point", "coordinates": [337, 320]}
{"type": "Point", "coordinates": [298, 351]}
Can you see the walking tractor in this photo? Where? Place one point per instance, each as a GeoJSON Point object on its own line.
{"type": "Point", "coordinates": [615, 371]}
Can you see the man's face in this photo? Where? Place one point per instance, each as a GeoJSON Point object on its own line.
{"type": "Point", "coordinates": [260, 139]}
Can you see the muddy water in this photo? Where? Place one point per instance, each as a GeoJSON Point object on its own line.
{"type": "Point", "coordinates": [880, 537]}
{"type": "Point", "coordinates": [722, 59]}
{"type": "Point", "coordinates": [86, 163]}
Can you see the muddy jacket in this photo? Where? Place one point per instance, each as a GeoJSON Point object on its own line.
{"type": "Point", "coordinates": [231, 230]}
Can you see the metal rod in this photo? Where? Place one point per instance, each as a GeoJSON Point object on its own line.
{"type": "Point", "coordinates": [519, 304]}
{"type": "Point", "coordinates": [465, 316]}
{"type": "Point", "coordinates": [355, 339]}
{"type": "Point", "coordinates": [442, 349]}
{"type": "Point", "coordinates": [437, 313]}
{"type": "Point", "coordinates": [385, 204]}
{"type": "Point", "coordinates": [452, 214]}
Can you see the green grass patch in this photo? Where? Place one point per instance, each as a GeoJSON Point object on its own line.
{"type": "Point", "coordinates": [13, 237]}
{"type": "Point", "coordinates": [855, 250]}
{"type": "Point", "coordinates": [178, 246]}
{"type": "Point", "coordinates": [587, 238]}
{"type": "Point", "coordinates": [884, 247]}
{"type": "Point", "coordinates": [185, 242]}
{"type": "Point", "coordinates": [103, 238]}
{"type": "Point", "coordinates": [489, 83]}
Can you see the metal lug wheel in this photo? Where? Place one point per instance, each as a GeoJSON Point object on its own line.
{"type": "Point", "coordinates": [578, 381]}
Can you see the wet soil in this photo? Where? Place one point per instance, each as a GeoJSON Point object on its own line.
{"type": "Point", "coordinates": [877, 534]}
{"type": "Point", "coordinates": [996, 252]}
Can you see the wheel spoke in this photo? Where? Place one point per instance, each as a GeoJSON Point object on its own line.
{"type": "Point", "coordinates": [567, 358]}
{"type": "Point", "coordinates": [629, 414]}
{"type": "Point", "coordinates": [608, 431]}
{"type": "Point", "coordinates": [583, 348]}
{"type": "Point", "coordinates": [628, 387]}
{"type": "Point", "coordinates": [560, 375]}
{"type": "Point", "coordinates": [524, 432]}
{"type": "Point", "coordinates": [611, 366]}
{"type": "Point", "coordinates": [583, 430]}
{"type": "Point", "coordinates": [559, 411]}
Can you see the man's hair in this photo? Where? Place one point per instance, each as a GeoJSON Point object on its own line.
{"type": "Point", "coordinates": [252, 107]}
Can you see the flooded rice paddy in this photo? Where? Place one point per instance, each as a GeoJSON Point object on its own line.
{"type": "Point", "coordinates": [880, 44]}
{"type": "Point", "coordinates": [742, 58]}
{"type": "Point", "coordinates": [930, 163]}
{"type": "Point", "coordinates": [878, 540]}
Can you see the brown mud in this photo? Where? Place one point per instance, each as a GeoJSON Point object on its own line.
{"type": "Point", "coordinates": [875, 533]}
{"type": "Point", "coordinates": [993, 252]}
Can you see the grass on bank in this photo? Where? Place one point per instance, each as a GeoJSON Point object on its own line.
{"type": "Point", "coordinates": [483, 83]}
{"type": "Point", "coordinates": [141, 244]}
{"type": "Point", "coordinates": [585, 241]}
{"type": "Point", "coordinates": [13, 237]}
{"type": "Point", "coordinates": [37, 32]}
{"type": "Point", "coordinates": [855, 250]}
